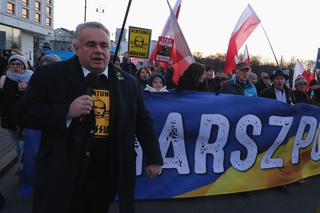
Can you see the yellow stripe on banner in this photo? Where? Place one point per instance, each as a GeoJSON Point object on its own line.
{"type": "Point", "coordinates": [256, 178]}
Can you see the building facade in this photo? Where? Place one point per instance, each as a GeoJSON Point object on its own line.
{"type": "Point", "coordinates": [62, 39]}
{"type": "Point", "coordinates": [22, 20]}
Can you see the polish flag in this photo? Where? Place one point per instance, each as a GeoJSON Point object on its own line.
{"type": "Point", "coordinates": [246, 24]}
{"type": "Point", "coordinates": [309, 77]}
{"type": "Point", "coordinates": [246, 57]}
{"type": "Point", "coordinates": [297, 71]}
{"type": "Point", "coordinates": [166, 31]}
{"type": "Point", "coordinates": [181, 55]}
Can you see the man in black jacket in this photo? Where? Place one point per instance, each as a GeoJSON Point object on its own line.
{"type": "Point", "coordinates": [300, 94]}
{"type": "Point", "coordinates": [278, 90]}
{"type": "Point", "coordinates": [87, 150]}
{"type": "Point", "coordinates": [263, 83]}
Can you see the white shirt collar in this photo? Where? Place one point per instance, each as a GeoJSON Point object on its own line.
{"type": "Point", "coordinates": [86, 72]}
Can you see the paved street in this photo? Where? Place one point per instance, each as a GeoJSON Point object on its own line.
{"type": "Point", "coordinates": [7, 150]}
{"type": "Point", "coordinates": [297, 198]}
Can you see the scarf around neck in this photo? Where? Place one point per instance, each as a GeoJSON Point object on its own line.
{"type": "Point", "coordinates": [20, 77]}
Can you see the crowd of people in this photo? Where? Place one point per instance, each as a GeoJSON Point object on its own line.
{"type": "Point", "coordinates": [242, 81]}
{"type": "Point", "coordinates": [14, 84]}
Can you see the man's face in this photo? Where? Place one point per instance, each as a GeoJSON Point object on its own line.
{"type": "Point", "coordinates": [301, 87]}
{"type": "Point", "coordinates": [92, 48]}
{"type": "Point", "coordinates": [279, 81]}
{"type": "Point", "coordinates": [253, 80]}
{"type": "Point", "coordinates": [138, 41]}
{"type": "Point", "coordinates": [99, 108]}
{"type": "Point", "coordinates": [209, 74]}
{"type": "Point", "coordinates": [266, 79]}
{"type": "Point", "coordinates": [242, 75]}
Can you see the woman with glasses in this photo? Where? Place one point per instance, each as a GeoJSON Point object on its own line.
{"type": "Point", "coordinates": [12, 86]}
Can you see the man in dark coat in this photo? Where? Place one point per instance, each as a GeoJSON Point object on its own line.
{"type": "Point", "coordinates": [87, 150]}
{"type": "Point", "coordinates": [278, 90]}
{"type": "Point", "coordinates": [263, 83]}
{"type": "Point", "coordinates": [300, 94]}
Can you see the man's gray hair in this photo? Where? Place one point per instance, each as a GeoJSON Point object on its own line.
{"type": "Point", "coordinates": [92, 24]}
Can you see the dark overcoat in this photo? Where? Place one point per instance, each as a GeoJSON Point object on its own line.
{"type": "Point", "coordinates": [63, 153]}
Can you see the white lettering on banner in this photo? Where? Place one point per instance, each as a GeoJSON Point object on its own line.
{"type": "Point", "coordinates": [172, 143]}
{"type": "Point", "coordinates": [205, 147]}
{"type": "Point", "coordinates": [300, 142]}
{"type": "Point", "coordinates": [247, 142]}
{"type": "Point", "coordinates": [315, 154]}
{"type": "Point", "coordinates": [267, 162]}
{"type": "Point", "coordinates": [173, 134]}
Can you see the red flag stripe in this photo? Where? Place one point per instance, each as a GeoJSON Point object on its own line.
{"type": "Point", "coordinates": [244, 27]}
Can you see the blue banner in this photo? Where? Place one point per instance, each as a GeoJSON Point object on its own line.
{"type": "Point", "coordinates": [218, 144]}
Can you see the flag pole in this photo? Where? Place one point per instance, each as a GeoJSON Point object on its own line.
{"type": "Point", "coordinates": [281, 61]}
{"type": "Point", "coordinates": [270, 45]}
{"type": "Point", "coordinates": [121, 32]}
{"type": "Point", "coordinates": [85, 10]}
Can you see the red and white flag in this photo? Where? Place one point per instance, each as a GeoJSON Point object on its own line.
{"type": "Point", "coordinates": [246, 57]}
{"type": "Point", "coordinates": [309, 77]}
{"type": "Point", "coordinates": [247, 22]}
{"type": "Point", "coordinates": [297, 71]}
{"type": "Point", "coordinates": [181, 55]}
{"type": "Point", "coordinates": [166, 29]}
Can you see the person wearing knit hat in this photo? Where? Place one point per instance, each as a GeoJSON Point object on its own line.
{"type": "Point", "coordinates": [13, 85]}
{"type": "Point", "coordinates": [156, 83]}
{"type": "Point", "coordinates": [300, 94]}
{"type": "Point", "coordinates": [48, 59]}
{"type": "Point", "coordinates": [300, 81]}
{"type": "Point", "coordinates": [21, 58]}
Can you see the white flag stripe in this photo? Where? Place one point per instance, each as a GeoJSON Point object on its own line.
{"type": "Point", "coordinates": [243, 18]}
{"type": "Point", "coordinates": [298, 70]}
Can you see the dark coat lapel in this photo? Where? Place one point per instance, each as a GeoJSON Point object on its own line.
{"type": "Point", "coordinates": [117, 102]}
{"type": "Point", "coordinates": [75, 77]}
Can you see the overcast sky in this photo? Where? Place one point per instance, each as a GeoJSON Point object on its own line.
{"type": "Point", "coordinates": [292, 26]}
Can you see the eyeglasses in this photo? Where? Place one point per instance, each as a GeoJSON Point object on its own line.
{"type": "Point", "coordinates": [266, 78]}
{"type": "Point", "coordinates": [16, 64]}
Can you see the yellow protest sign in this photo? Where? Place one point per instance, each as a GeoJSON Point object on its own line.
{"type": "Point", "coordinates": [139, 42]}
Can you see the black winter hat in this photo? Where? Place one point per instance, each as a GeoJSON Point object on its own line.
{"type": "Point", "coordinates": [279, 73]}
